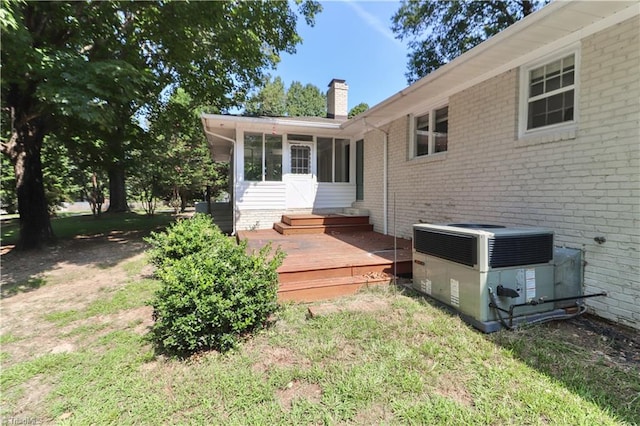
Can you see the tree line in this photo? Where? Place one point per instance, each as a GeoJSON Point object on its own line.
{"type": "Point", "coordinates": [102, 99]}
{"type": "Point", "coordinates": [86, 75]}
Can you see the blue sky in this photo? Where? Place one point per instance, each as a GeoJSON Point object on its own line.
{"type": "Point", "coordinates": [351, 40]}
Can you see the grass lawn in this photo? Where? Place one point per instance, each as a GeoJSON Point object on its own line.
{"type": "Point", "coordinates": [74, 349]}
{"type": "Point", "coordinates": [67, 226]}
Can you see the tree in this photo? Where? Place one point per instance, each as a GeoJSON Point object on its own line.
{"type": "Point", "coordinates": [98, 63]}
{"type": "Point", "coordinates": [439, 31]}
{"type": "Point", "coordinates": [358, 109]}
{"type": "Point", "coordinates": [269, 101]}
{"type": "Point", "coordinates": [272, 100]}
{"type": "Point", "coordinates": [179, 166]}
{"type": "Point", "coordinates": [305, 101]}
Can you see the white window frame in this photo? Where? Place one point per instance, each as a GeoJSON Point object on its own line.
{"type": "Point", "coordinates": [523, 115]}
{"type": "Point", "coordinates": [413, 118]}
{"type": "Point", "coordinates": [264, 156]}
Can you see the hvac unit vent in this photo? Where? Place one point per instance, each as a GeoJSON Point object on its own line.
{"type": "Point", "coordinates": [485, 272]}
{"type": "Point", "coordinates": [499, 246]}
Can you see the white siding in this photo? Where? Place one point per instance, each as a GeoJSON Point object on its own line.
{"type": "Point", "coordinates": [334, 195]}
{"type": "Point", "coordinates": [260, 195]}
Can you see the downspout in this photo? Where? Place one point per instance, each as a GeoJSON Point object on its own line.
{"type": "Point", "coordinates": [233, 174]}
{"type": "Point", "coordinates": [385, 183]}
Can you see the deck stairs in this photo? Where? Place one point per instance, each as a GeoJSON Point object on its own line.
{"type": "Point", "coordinates": [318, 224]}
{"type": "Point", "coordinates": [326, 272]}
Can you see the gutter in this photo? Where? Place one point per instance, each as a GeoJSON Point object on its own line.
{"type": "Point", "coordinates": [275, 121]}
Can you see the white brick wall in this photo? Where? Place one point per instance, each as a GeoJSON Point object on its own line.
{"type": "Point", "coordinates": [582, 187]}
{"type": "Point", "coordinates": [373, 179]}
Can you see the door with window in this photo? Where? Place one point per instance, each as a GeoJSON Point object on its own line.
{"type": "Point", "coordinates": [301, 182]}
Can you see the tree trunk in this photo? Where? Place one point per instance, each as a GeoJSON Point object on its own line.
{"type": "Point", "coordinates": [117, 190]}
{"type": "Point", "coordinates": [35, 225]}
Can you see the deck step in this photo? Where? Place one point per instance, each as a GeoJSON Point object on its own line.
{"type": "Point", "coordinates": [286, 229]}
{"type": "Point", "coordinates": [328, 219]}
{"type": "Point", "coordinates": [286, 276]}
{"type": "Point", "coordinates": [327, 288]}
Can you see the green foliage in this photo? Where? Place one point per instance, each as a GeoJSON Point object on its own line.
{"type": "Point", "coordinates": [305, 101]}
{"type": "Point", "coordinates": [8, 199]}
{"type": "Point", "coordinates": [212, 291]}
{"type": "Point", "coordinates": [358, 109]}
{"type": "Point", "coordinates": [270, 101]}
{"type": "Point", "coordinates": [58, 174]}
{"type": "Point", "coordinates": [183, 238]}
{"type": "Point", "coordinates": [273, 100]}
{"type": "Point", "coordinates": [439, 31]}
{"type": "Point", "coordinates": [179, 167]}
{"type": "Point", "coordinates": [86, 72]}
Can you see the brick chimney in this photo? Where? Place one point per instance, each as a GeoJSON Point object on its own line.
{"type": "Point", "coordinates": [337, 99]}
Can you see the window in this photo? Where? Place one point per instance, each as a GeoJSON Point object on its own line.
{"type": "Point", "coordinates": [262, 157]}
{"type": "Point", "coordinates": [253, 156]}
{"type": "Point", "coordinates": [360, 170]}
{"type": "Point", "coordinates": [549, 93]}
{"type": "Point", "coordinates": [333, 159]}
{"type": "Point", "coordinates": [300, 159]}
{"type": "Point", "coordinates": [341, 162]}
{"type": "Point", "coordinates": [431, 132]}
{"type": "Point", "coordinates": [273, 158]}
{"type": "Point", "coordinates": [325, 159]}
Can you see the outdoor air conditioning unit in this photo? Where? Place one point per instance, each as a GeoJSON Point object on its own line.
{"type": "Point", "coordinates": [494, 276]}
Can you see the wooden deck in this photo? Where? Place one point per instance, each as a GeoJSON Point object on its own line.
{"type": "Point", "coordinates": [322, 266]}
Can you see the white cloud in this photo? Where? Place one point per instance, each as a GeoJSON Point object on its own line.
{"type": "Point", "coordinates": [374, 22]}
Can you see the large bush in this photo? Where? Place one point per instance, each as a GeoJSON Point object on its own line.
{"type": "Point", "coordinates": [183, 238]}
{"type": "Point", "coordinates": [213, 295]}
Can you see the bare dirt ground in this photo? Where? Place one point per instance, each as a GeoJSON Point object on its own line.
{"type": "Point", "coordinates": [67, 276]}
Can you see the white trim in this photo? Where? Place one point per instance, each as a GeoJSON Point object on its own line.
{"type": "Point", "coordinates": [432, 130]}
{"type": "Point", "coordinates": [521, 26]}
{"type": "Point", "coordinates": [523, 101]}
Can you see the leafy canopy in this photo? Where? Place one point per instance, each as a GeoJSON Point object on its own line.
{"type": "Point", "coordinates": [439, 31]}
{"type": "Point", "coordinates": [273, 100]}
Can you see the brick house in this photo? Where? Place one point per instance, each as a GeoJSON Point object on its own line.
{"type": "Point", "coordinates": [537, 126]}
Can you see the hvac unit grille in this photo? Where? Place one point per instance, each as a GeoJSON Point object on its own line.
{"type": "Point", "coordinates": [454, 247]}
{"type": "Point", "coordinates": [520, 250]}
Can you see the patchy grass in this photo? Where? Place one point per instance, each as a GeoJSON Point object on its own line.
{"type": "Point", "coordinates": [30, 284]}
{"type": "Point", "coordinates": [399, 361]}
{"type": "Point", "coordinates": [84, 225]}
{"type": "Point", "coordinates": [408, 362]}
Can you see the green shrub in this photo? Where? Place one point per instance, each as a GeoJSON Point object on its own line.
{"type": "Point", "coordinates": [183, 238]}
{"type": "Point", "coordinates": [212, 296]}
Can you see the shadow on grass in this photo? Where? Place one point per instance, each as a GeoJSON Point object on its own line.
{"type": "Point", "coordinates": [82, 240]}
{"type": "Point", "coordinates": [12, 289]}
{"type": "Point", "coordinates": [594, 359]}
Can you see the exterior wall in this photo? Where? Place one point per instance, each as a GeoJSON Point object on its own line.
{"type": "Point", "coordinates": [373, 148]}
{"type": "Point", "coordinates": [581, 186]}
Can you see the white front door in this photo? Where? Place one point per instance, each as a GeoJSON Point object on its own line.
{"type": "Point", "coordinates": [301, 182]}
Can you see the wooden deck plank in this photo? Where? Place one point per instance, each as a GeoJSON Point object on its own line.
{"type": "Point", "coordinates": [332, 256]}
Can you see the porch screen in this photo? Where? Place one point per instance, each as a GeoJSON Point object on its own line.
{"type": "Point", "coordinates": [253, 156]}
{"type": "Point", "coordinates": [262, 157]}
{"type": "Point", "coordinates": [273, 158]}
